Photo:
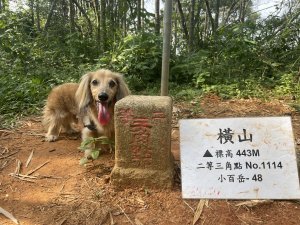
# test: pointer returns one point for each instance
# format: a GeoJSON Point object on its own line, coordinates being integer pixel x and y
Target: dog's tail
{"type": "Point", "coordinates": [47, 115]}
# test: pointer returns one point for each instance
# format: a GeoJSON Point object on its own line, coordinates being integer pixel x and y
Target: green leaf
{"type": "Point", "coordinates": [95, 154]}
{"type": "Point", "coordinates": [250, 41]}
{"type": "Point", "coordinates": [83, 161]}
{"type": "Point", "coordinates": [86, 144]}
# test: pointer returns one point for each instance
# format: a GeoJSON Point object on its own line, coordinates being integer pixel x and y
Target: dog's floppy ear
{"type": "Point", "coordinates": [123, 89]}
{"type": "Point", "coordinates": [83, 94]}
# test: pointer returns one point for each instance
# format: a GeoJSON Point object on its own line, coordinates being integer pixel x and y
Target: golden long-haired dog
{"type": "Point", "coordinates": [91, 101]}
{"type": "Point", "coordinates": [96, 97]}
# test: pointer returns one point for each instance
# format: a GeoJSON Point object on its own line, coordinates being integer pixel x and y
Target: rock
{"type": "Point", "coordinates": [143, 142]}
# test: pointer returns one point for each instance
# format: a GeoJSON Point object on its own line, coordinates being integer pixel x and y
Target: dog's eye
{"type": "Point", "coordinates": [112, 84]}
{"type": "Point", "coordinates": [95, 82]}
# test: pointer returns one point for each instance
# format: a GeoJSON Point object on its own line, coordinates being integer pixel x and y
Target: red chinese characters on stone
{"type": "Point", "coordinates": [140, 129]}
{"type": "Point", "coordinates": [158, 115]}
{"type": "Point", "coordinates": [125, 116]}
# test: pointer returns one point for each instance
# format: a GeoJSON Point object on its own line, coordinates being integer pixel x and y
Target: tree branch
{"type": "Point", "coordinates": [85, 16]}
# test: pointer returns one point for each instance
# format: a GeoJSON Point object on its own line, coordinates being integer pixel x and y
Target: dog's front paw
{"type": "Point", "coordinates": [51, 138]}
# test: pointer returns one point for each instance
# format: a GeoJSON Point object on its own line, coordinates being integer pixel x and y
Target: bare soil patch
{"type": "Point", "coordinates": [61, 192]}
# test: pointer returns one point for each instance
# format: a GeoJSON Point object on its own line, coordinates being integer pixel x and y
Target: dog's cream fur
{"type": "Point", "coordinates": [69, 102]}
{"type": "Point", "coordinates": [60, 111]}
{"type": "Point", "coordinates": [91, 86]}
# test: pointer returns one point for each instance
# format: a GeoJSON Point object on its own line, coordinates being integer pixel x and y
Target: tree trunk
{"type": "Point", "coordinates": [175, 32]}
{"type": "Point", "coordinates": [197, 20]}
{"type": "Point", "coordinates": [132, 12]}
{"type": "Point", "coordinates": [243, 8]}
{"type": "Point", "coordinates": [205, 35]}
{"type": "Point", "coordinates": [191, 27]}
{"type": "Point", "coordinates": [212, 22]}
{"type": "Point", "coordinates": [230, 10]}
{"type": "Point", "coordinates": [166, 48]}
{"type": "Point", "coordinates": [98, 19]}
{"type": "Point", "coordinates": [65, 11]}
{"type": "Point", "coordinates": [123, 15]}
{"type": "Point", "coordinates": [103, 26]}
{"type": "Point", "coordinates": [38, 20]}
{"type": "Point", "coordinates": [112, 18]}
{"type": "Point", "coordinates": [183, 23]}
{"type": "Point", "coordinates": [241, 11]}
{"type": "Point", "coordinates": [31, 5]}
{"type": "Point", "coordinates": [217, 12]}
{"type": "Point", "coordinates": [142, 12]}
{"type": "Point", "coordinates": [72, 16]}
{"type": "Point", "coordinates": [82, 11]}
{"type": "Point", "coordinates": [139, 23]}
{"type": "Point", "coordinates": [53, 5]}
{"type": "Point", "coordinates": [3, 5]}
{"type": "Point", "coordinates": [157, 17]}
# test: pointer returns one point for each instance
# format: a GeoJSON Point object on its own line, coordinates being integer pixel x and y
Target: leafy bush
{"type": "Point", "coordinates": [236, 64]}
{"type": "Point", "coordinates": [18, 97]}
{"type": "Point", "coordinates": [288, 85]}
{"type": "Point", "coordinates": [31, 64]}
{"type": "Point", "coordinates": [188, 67]}
{"type": "Point", "coordinates": [138, 57]}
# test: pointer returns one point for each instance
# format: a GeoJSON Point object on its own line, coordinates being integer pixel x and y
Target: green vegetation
{"type": "Point", "coordinates": [95, 146]}
{"type": "Point", "coordinates": [218, 47]}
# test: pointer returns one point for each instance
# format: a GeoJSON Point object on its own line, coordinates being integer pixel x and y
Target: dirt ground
{"type": "Point", "coordinates": [62, 192]}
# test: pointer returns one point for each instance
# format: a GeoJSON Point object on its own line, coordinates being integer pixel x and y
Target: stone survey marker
{"type": "Point", "coordinates": [143, 142]}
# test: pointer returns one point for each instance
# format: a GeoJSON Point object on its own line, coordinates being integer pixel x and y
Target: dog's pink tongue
{"type": "Point", "coordinates": [103, 114]}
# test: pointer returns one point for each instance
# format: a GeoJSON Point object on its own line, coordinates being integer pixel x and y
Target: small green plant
{"type": "Point", "coordinates": [94, 145]}
{"type": "Point", "coordinates": [288, 85]}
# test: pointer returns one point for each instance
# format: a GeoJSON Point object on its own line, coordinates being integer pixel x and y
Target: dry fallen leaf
{"type": "Point", "coordinates": [253, 203]}
{"type": "Point", "coordinates": [199, 210]}
{"type": "Point", "coordinates": [8, 215]}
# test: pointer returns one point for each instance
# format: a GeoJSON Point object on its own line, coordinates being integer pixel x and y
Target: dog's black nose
{"type": "Point", "coordinates": [103, 97]}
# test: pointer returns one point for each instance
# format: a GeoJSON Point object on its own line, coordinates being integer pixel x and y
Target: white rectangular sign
{"type": "Point", "coordinates": [238, 158]}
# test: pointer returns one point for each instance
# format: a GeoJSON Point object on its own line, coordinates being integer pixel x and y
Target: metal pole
{"type": "Point", "coordinates": [166, 47]}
